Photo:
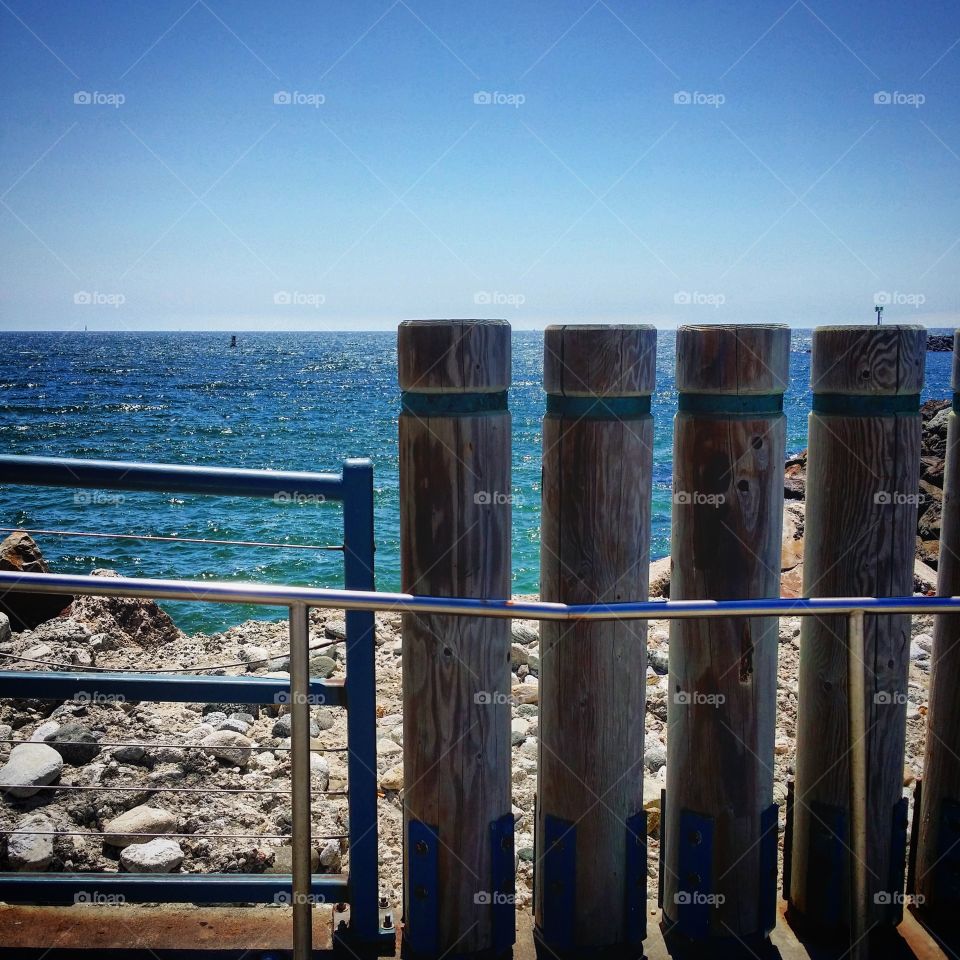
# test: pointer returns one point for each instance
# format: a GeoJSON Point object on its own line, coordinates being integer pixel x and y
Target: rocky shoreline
{"type": "Point", "coordinates": [146, 753]}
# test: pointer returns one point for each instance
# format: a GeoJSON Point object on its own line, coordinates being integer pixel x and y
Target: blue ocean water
{"type": "Point", "coordinates": [301, 401]}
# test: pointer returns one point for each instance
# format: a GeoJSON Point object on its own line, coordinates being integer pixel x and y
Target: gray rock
{"type": "Point", "coordinates": [161, 855]}
{"type": "Point", "coordinates": [524, 634]}
{"type": "Point", "coordinates": [324, 720]}
{"type": "Point", "coordinates": [322, 666]}
{"type": "Point", "coordinates": [47, 729]}
{"type": "Point", "coordinates": [388, 748]}
{"type": "Point", "coordinates": [227, 746]}
{"type": "Point", "coordinates": [320, 770]}
{"type": "Point", "coordinates": [40, 652]}
{"type": "Point", "coordinates": [129, 754]}
{"type": "Point", "coordinates": [5, 631]}
{"type": "Point", "coordinates": [659, 660]}
{"type": "Point", "coordinates": [654, 755]}
{"type": "Point", "coordinates": [335, 630]}
{"type": "Point", "coordinates": [236, 726]}
{"type": "Point", "coordinates": [518, 655]}
{"type": "Point", "coordinates": [330, 856]}
{"type": "Point", "coordinates": [29, 767]}
{"type": "Point", "coordinates": [254, 657]}
{"type": "Point", "coordinates": [137, 825]}
{"type": "Point", "coordinates": [284, 727]}
{"type": "Point", "coordinates": [75, 743]}
{"type": "Point", "coordinates": [518, 731]}
{"type": "Point", "coordinates": [31, 847]}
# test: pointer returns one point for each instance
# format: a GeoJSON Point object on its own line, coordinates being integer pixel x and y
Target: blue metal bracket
{"type": "Point", "coordinates": [559, 883]}
{"type": "Point", "coordinates": [422, 921]}
{"type": "Point", "coordinates": [898, 856]}
{"type": "Point", "coordinates": [769, 824]}
{"type": "Point", "coordinates": [503, 883]}
{"type": "Point", "coordinates": [947, 882]}
{"type": "Point", "coordinates": [827, 871]}
{"type": "Point", "coordinates": [696, 875]}
{"type": "Point", "coordinates": [635, 892]}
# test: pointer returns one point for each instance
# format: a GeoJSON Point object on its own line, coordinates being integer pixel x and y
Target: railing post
{"type": "Point", "coordinates": [300, 781]}
{"type": "Point", "coordinates": [857, 714]}
{"type": "Point", "coordinates": [455, 498]}
{"type": "Point", "coordinates": [720, 837]}
{"type": "Point", "coordinates": [862, 483]}
{"type": "Point", "coordinates": [361, 707]}
{"type": "Point", "coordinates": [938, 849]}
{"type": "Point", "coordinates": [594, 548]}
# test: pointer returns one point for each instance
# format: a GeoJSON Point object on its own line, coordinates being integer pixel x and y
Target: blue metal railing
{"type": "Point", "coordinates": [354, 489]}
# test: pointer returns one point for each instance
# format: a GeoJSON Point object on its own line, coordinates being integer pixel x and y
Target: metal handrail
{"type": "Point", "coordinates": [300, 599]}
{"type": "Point", "coordinates": [277, 595]}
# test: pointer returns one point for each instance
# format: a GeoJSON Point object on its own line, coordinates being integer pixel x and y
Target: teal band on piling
{"type": "Point", "coordinates": [452, 404]}
{"type": "Point", "coordinates": [956, 403]}
{"type": "Point", "coordinates": [730, 405]}
{"type": "Point", "coordinates": [598, 408]}
{"type": "Point", "coordinates": [859, 405]}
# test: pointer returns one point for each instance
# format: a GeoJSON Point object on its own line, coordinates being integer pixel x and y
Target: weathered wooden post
{"type": "Point", "coordinates": [862, 483]}
{"type": "Point", "coordinates": [938, 849]}
{"type": "Point", "coordinates": [591, 865]}
{"type": "Point", "coordinates": [455, 499]}
{"type": "Point", "coordinates": [720, 841]}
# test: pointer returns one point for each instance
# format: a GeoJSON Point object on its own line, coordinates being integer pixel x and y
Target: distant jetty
{"type": "Point", "coordinates": [937, 343]}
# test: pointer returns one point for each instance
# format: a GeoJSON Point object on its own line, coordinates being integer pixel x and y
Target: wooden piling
{"type": "Point", "coordinates": [590, 868]}
{"type": "Point", "coordinates": [455, 507]}
{"type": "Point", "coordinates": [938, 849]}
{"type": "Point", "coordinates": [720, 842]}
{"type": "Point", "coordinates": [862, 483]}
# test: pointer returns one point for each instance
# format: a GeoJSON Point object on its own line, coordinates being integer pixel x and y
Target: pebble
{"type": "Point", "coordinates": [161, 855]}
{"type": "Point", "coordinates": [236, 726]}
{"type": "Point", "coordinates": [227, 746]}
{"type": "Point", "coordinates": [29, 767]}
{"type": "Point", "coordinates": [128, 754]}
{"type": "Point", "coordinates": [284, 727]}
{"type": "Point", "coordinates": [31, 847]}
{"type": "Point", "coordinates": [131, 826]}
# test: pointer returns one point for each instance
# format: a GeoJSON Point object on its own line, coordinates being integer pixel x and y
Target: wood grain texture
{"type": "Point", "coordinates": [860, 539]}
{"type": "Point", "coordinates": [455, 541]}
{"type": "Point", "coordinates": [595, 543]}
{"type": "Point", "coordinates": [726, 542]}
{"type": "Point", "coordinates": [941, 765]}
{"type": "Point", "coordinates": [456, 356]}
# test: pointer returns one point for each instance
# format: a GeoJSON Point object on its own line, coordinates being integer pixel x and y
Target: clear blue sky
{"type": "Point", "coordinates": [584, 192]}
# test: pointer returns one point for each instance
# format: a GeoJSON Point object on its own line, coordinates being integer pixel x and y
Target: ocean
{"type": "Point", "coordinates": [299, 401]}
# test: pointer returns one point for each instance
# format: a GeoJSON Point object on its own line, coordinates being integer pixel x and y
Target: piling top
{"type": "Point", "coordinates": [600, 360]}
{"type": "Point", "coordinates": [956, 361]}
{"type": "Point", "coordinates": [868, 359]}
{"type": "Point", "coordinates": [454, 356]}
{"type": "Point", "coordinates": [738, 359]}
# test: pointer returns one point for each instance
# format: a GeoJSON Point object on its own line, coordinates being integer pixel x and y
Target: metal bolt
{"type": "Point", "coordinates": [388, 922]}
{"type": "Point", "coordinates": [384, 903]}
{"type": "Point", "coordinates": [421, 847]}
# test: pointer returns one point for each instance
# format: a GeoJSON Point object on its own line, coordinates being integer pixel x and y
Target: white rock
{"type": "Point", "coordinates": [918, 653]}
{"type": "Point", "coordinates": [388, 748]}
{"type": "Point", "coordinates": [924, 641]}
{"type": "Point", "coordinates": [31, 847]}
{"type": "Point", "coordinates": [29, 767]}
{"type": "Point", "coordinates": [137, 825]}
{"type": "Point", "coordinates": [393, 778]}
{"type": "Point", "coordinates": [320, 770]}
{"type": "Point", "coordinates": [39, 652]}
{"type": "Point", "coordinates": [5, 631]}
{"type": "Point", "coordinates": [157, 856]}
{"type": "Point", "coordinates": [330, 856]}
{"type": "Point", "coordinates": [518, 655]}
{"type": "Point", "coordinates": [44, 731]}
{"type": "Point", "coordinates": [518, 731]}
{"type": "Point", "coordinates": [524, 634]}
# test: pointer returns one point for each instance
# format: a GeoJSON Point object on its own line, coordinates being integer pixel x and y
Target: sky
{"type": "Point", "coordinates": [204, 164]}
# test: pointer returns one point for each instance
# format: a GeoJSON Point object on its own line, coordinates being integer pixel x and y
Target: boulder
{"type": "Point", "coordinates": [138, 825]}
{"type": "Point", "coordinates": [20, 553]}
{"type": "Point", "coordinates": [160, 855]}
{"type": "Point", "coordinates": [660, 578]}
{"type": "Point", "coordinates": [75, 743]}
{"type": "Point", "coordinates": [137, 621]}
{"type": "Point", "coordinates": [795, 477]}
{"type": "Point", "coordinates": [29, 767]}
{"type": "Point", "coordinates": [791, 545]}
{"type": "Point", "coordinates": [228, 747]}
{"type": "Point", "coordinates": [30, 848]}
{"type": "Point", "coordinates": [924, 578]}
